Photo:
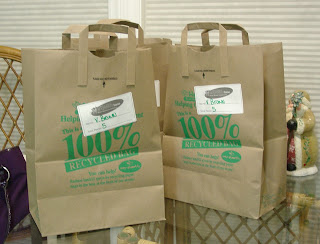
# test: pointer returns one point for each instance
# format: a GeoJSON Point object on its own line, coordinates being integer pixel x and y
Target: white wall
{"type": "Point", "coordinates": [39, 23]}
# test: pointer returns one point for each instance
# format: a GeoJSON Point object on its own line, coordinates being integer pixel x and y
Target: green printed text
{"type": "Point", "coordinates": [100, 159]}
{"type": "Point", "coordinates": [191, 144]}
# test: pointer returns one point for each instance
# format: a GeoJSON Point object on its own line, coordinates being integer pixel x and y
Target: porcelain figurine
{"type": "Point", "coordinates": [302, 149]}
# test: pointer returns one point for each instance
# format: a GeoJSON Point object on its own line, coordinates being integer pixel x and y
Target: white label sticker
{"type": "Point", "coordinates": [99, 116]}
{"type": "Point", "coordinates": [219, 99]}
{"type": "Point", "coordinates": [157, 89]}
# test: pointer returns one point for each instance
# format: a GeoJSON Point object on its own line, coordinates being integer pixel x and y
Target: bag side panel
{"type": "Point", "coordinates": [275, 131]}
{"type": "Point", "coordinates": [29, 64]}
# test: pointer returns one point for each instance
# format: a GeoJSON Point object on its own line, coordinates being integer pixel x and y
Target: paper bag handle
{"type": "Point", "coordinates": [113, 40]}
{"type": "Point", "coordinates": [245, 35]}
{"type": "Point", "coordinates": [66, 35]}
{"type": "Point", "coordinates": [83, 50]}
{"type": "Point", "coordinates": [222, 41]}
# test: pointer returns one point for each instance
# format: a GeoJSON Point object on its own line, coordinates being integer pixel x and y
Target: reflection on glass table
{"type": "Point", "coordinates": [296, 220]}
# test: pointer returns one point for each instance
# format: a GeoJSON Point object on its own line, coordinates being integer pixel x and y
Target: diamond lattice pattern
{"type": "Point", "coordinates": [280, 225]}
{"type": "Point", "coordinates": [11, 104]}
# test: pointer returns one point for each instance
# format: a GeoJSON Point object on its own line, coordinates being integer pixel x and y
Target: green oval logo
{"type": "Point", "coordinates": [231, 156]}
{"type": "Point", "coordinates": [130, 166]}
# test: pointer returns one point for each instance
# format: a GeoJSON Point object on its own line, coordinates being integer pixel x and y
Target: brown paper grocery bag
{"type": "Point", "coordinates": [274, 180]}
{"type": "Point", "coordinates": [109, 179]}
{"type": "Point", "coordinates": [159, 48]}
{"type": "Point", "coordinates": [160, 52]}
{"type": "Point", "coordinates": [217, 160]}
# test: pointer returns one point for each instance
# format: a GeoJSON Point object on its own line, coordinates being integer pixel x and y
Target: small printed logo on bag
{"type": "Point", "coordinates": [70, 118]}
{"type": "Point", "coordinates": [218, 92]}
{"type": "Point", "coordinates": [231, 156]}
{"type": "Point", "coordinates": [107, 107]}
{"type": "Point", "coordinates": [130, 166]}
{"type": "Point", "coordinates": [75, 105]}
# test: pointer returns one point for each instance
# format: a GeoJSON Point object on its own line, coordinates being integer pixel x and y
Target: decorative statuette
{"type": "Point", "coordinates": [302, 150]}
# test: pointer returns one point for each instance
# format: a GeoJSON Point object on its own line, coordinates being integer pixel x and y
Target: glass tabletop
{"type": "Point", "coordinates": [296, 220]}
